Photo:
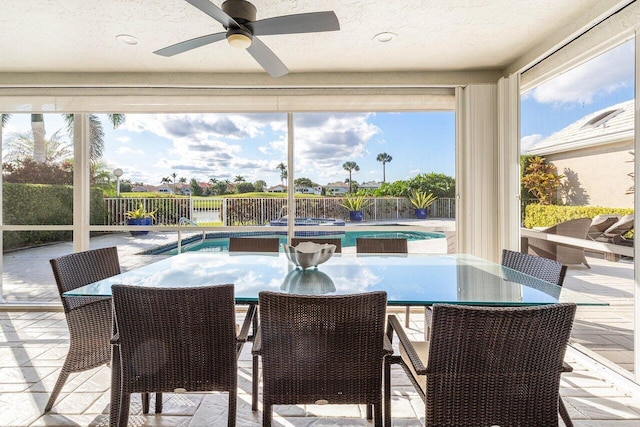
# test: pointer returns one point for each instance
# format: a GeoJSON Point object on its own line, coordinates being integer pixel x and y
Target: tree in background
{"type": "Point", "coordinates": [245, 187]}
{"type": "Point", "coordinates": [384, 158]}
{"type": "Point", "coordinates": [239, 178]}
{"type": "Point", "coordinates": [32, 172]}
{"type": "Point", "coordinates": [439, 184]}
{"type": "Point", "coordinates": [283, 173]}
{"type": "Point", "coordinates": [260, 185]}
{"type": "Point", "coordinates": [174, 177]}
{"type": "Point", "coordinates": [350, 167]}
{"type": "Point", "coordinates": [196, 190]}
{"type": "Point", "coordinates": [304, 182]}
{"type": "Point", "coordinates": [541, 179]}
{"type": "Point", "coordinates": [19, 147]}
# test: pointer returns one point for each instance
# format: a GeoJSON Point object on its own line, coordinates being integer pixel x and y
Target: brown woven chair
{"type": "Point", "coordinates": [254, 244]}
{"type": "Point", "coordinates": [177, 340]}
{"type": "Point", "coordinates": [322, 349]}
{"type": "Point", "coordinates": [89, 318]}
{"type": "Point", "coordinates": [384, 246]}
{"type": "Point", "coordinates": [487, 365]}
{"type": "Point", "coordinates": [577, 228]}
{"type": "Point", "coordinates": [381, 246]}
{"type": "Point", "coordinates": [538, 267]}
{"type": "Point", "coordinates": [337, 242]}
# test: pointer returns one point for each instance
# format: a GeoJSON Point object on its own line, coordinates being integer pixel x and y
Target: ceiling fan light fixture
{"type": "Point", "coordinates": [239, 41]}
{"type": "Point", "coordinates": [127, 39]}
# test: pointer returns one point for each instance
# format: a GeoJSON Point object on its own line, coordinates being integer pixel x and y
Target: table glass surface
{"type": "Point", "coordinates": [407, 279]}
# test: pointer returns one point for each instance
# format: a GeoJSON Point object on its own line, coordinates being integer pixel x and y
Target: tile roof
{"type": "Point", "coordinates": [606, 126]}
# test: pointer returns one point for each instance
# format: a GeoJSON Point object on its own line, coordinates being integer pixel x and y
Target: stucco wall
{"type": "Point", "coordinates": [598, 176]}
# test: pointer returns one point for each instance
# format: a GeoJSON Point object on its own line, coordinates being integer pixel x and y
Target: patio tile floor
{"type": "Point", "coordinates": [30, 363]}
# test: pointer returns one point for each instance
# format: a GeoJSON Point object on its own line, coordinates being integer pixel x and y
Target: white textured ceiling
{"type": "Point", "coordinates": [432, 35]}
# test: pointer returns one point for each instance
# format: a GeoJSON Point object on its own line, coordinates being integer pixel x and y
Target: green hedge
{"type": "Point", "coordinates": [40, 204]}
{"type": "Point", "coordinates": [547, 215]}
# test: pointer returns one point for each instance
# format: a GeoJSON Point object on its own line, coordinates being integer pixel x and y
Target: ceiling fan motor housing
{"type": "Point", "coordinates": [240, 10]}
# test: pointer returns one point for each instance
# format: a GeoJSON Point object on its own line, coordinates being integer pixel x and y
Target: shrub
{"type": "Point", "coordinates": [40, 204]}
{"type": "Point", "coordinates": [547, 215]}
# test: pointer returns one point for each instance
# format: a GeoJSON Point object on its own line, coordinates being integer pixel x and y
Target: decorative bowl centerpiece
{"type": "Point", "coordinates": [309, 254]}
{"type": "Point", "coordinates": [308, 282]}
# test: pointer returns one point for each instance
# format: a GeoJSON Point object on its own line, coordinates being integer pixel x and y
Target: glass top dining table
{"type": "Point", "coordinates": [413, 279]}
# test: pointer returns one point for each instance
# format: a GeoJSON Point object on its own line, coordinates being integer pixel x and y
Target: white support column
{"type": "Point", "coordinates": [636, 183]}
{"type": "Point", "coordinates": [476, 171]}
{"type": "Point", "coordinates": [2, 300]}
{"type": "Point", "coordinates": [291, 199]}
{"type": "Point", "coordinates": [81, 183]}
{"type": "Point", "coordinates": [509, 162]}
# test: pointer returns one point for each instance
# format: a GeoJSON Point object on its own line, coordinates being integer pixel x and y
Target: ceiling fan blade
{"type": "Point", "coordinates": [190, 44]}
{"type": "Point", "coordinates": [267, 59]}
{"type": "Point", "coordinates": [215, 12]}
{"type": "Point", "coordinates": [313, 22]}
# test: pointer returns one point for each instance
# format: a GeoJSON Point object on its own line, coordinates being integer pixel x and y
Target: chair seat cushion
{"type": "Point", "coordinates": [422, 348]}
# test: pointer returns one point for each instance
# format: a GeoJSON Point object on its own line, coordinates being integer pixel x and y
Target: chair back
{"type": "Point", "coordinates": [176, 338]}
{"type": "Point", "coordinates": [81, 268]}
{"type": "Point", "coordinates": [337, 242]}
{"type": "Point", "coordinates": [322, 347]}
{"type": "Point", "coordinates": [496, 366]}
{"type": "Point", "coordinates": [622, 226]}
{"type": "Point", "coordinates": [538, 267]}
{"type": "Point", "coordinates": [381, 246]}
{"type": "Point", "coordinates": [254, 244]}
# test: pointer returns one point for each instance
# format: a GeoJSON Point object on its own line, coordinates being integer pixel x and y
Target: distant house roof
{"type": "Point", "coordinates": [606, 126]}
{"type": "Point", "coordinates": [370, 184]}
{"type": "Point", "coordinates": [337, 185]}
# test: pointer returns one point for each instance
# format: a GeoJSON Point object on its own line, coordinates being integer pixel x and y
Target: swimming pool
{"type": "Point", "coordinates": [219, 242]}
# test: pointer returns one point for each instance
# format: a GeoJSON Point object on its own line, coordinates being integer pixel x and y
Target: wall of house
{"type": "Point", "coordinates": [609, 184]}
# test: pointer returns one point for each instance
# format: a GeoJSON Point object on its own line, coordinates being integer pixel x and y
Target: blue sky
{"type": "Point", "coordinates": [203, 146]}
{"type": "Point", "coordinates": [601, 82]}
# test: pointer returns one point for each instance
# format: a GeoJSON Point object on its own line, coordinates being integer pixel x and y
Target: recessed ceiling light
{"type": "Point", "coordinates": [384, 37]}
{"type": "Point", "coordinates": [127, 39]}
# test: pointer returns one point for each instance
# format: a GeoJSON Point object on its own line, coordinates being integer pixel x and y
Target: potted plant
{"type": "Point", "coordinates": [140, 216]}
{"type": "Point", "coordinates": [421, 201]}
{"type": "Point", "coordinates": [355, 204]}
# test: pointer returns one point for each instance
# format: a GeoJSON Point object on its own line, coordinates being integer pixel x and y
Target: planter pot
{"type": "Point", "coordinates": [421, 213]}
{"type": "Point", "coordinates": [355, 216]}
{"type": "Point", "coordinates": [139, 221]}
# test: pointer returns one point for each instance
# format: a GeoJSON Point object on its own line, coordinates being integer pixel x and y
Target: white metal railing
{"type": "Point", "coordinates": [260, 211]}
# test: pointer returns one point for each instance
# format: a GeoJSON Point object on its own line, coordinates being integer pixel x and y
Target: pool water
{"type": "Point", "coordinates": [214, 243]}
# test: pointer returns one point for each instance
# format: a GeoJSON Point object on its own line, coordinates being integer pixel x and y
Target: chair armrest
{"type": "Point", "coordinates": [257, 343]}
{"type": "Point", "coordinates": [566, 367]}
{"type": "Point", "coordinates": [388, 347]}
{"type": "Point", "coordinates": [115, 339]}
{"type": "Point", "coordinates": [394, 325]}
{"type": "Point", "coordinates": [243, 336]}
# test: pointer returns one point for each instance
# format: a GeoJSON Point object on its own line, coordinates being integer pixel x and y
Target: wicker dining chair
{"type": "Point", "coordinates": [384, 246]}
{"type": "Point", "coordinates": [486, 365]}
{"type": "Point", "coordinates": [322, 349]}
{"type": "Point", "coordinates": [337, 242]}
{"type": "Point", "coordinates": [177, 340]}
{"type": "Point", "coordinates": [89, 318]}
{"type": "Point", "coordinates": [541, 268]}
{"type": "Point", "coordinates": [254, 244]}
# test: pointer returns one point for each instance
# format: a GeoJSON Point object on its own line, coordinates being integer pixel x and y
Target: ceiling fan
{"type": "Point", "coordinates": [238, 19]}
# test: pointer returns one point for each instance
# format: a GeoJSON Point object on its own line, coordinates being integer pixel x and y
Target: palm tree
{"type": "Point", "coordinates": [166, 180]}
{"type": "Point", "coordinates": [350, 167]}
{"type": "Point", "coordinates": [56, 149]}
{"type": "Point", "coordinates": [384, 158]}
{"type": "Point", "coordinates": [37, 127]}
{"type": "Point", "coordinates": [283, 172]}
{"type": "Point", "coordinates": [174, 176]}
{"type": "Point", "coordinates": [4, 118]}
{"type": "Point", "coordinates": [239, 178]}
{"type": "Point", "coordinates": [96, 132]}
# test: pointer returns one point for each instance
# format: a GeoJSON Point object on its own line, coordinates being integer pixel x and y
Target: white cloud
{"type": "Point", "coordinates": [584, 83]}
{"type": "Point", "coordinates": [123, 139]}
{"type": "Point", "coordinates": [129, 150]}
{"type": "Point", "coordinates": [529, 141]}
